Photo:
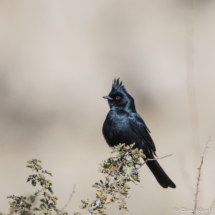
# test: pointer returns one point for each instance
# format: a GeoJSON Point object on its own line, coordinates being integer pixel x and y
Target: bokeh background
{"type": "Point", "coordinates": [57, 60]}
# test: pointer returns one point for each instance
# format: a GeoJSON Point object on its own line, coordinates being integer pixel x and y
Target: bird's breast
{"type": "Point", "coordinates": [116, 129]}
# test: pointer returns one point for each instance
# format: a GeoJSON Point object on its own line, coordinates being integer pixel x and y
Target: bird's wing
{"type": "Point", "coordinates": [140, 128]}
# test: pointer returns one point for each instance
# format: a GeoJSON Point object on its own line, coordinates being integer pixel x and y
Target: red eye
{"type": "Point", "coordinates": [117, 97]}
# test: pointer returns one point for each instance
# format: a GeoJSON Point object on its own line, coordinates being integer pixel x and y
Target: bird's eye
{"type": "Point", "coordinates": [117, 97]}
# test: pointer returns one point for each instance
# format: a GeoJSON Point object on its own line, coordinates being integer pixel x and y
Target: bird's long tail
{"type": "Point", "coordinates": [160, 175]}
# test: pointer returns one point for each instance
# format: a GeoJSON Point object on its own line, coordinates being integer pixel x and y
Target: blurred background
{"type": "Point", "coordinates": [57, 60]}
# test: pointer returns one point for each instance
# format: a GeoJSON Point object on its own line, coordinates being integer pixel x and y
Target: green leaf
{"type": "Point", "coordinates": [37, 209]}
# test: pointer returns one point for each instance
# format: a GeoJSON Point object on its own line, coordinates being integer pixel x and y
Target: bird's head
{"type": "Point", "coordinates": [118, 98]}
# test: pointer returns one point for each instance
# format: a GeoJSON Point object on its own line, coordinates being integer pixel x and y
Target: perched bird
{"type": "Point", "coordinates": [124, 125]}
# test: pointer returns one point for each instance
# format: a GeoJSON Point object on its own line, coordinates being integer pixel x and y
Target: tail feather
{"type": "Point", "coordinates": [160, 175]}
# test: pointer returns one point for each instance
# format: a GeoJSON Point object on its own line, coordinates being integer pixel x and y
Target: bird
{"type": "Point", "coordinates": [124, 125]}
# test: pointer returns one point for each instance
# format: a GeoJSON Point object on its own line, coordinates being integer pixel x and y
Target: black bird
{"type": "Point", "coordinates": [124, 125]}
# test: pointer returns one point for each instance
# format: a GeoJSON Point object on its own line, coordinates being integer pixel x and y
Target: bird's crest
{"type": "Point", "coordinates": [118, 85]}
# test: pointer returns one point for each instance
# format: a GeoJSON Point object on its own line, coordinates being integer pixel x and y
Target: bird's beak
{"type": "Point", "coordinates": [107, 97]}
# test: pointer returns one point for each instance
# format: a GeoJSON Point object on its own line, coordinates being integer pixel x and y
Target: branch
{"type": "Point", "coordinates": [94, 207]}
{"type": "Point", "coordinates": [154, 159]}
{"type": "Point", "coordinates": [136, 170]}
{"type": "Point", "coordinates": [113, 179]}
{"type": "Point", "coordinates": [123, 157]}
{"type": "Point", "coordinates": [198, 179]}
{"type": "Point", "coordinates": [70, 198]}
{"type": "Point", "coordinates": [98, 203]}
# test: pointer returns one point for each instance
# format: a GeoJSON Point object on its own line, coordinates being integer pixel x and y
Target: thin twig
{"type": "Point", "coordinates": [70, 198]}
{"type": "Point", "coordinates": [136, 183]}
{"type": "Point", "coordinates": [137, 169]}
{"type": "Point", "coordinates": [198, 179]}
{"type": "Point", "coordinates": [154, 159]}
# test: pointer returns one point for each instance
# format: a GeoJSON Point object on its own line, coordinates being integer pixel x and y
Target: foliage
{"type": "Point", "coordinates": [21, 204]}
{"type": "Point", "coordinates": [118, 171]}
